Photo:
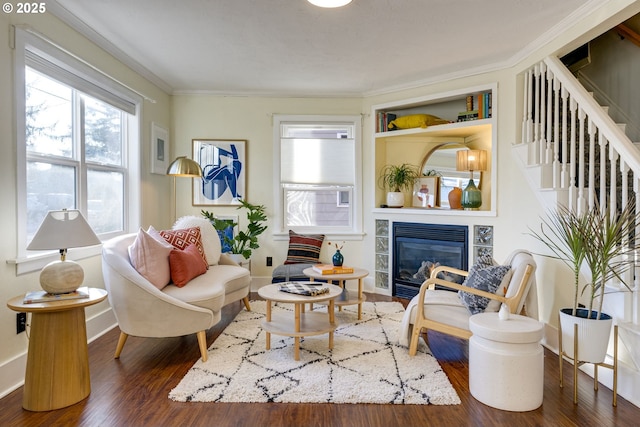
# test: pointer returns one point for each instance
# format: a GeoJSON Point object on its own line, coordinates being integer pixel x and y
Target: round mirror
{"type": "Point", "coordinates": [441, 162]}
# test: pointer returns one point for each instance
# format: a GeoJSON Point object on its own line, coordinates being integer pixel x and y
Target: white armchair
{"type": "Point", "coordinates": [442, 310]}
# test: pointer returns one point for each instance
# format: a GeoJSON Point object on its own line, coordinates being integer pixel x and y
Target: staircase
{"type": "Point", "coordinates": [573, 154]}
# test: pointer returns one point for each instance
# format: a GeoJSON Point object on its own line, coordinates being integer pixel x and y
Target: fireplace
{"type": "Point", "coordinates": [418, 248]}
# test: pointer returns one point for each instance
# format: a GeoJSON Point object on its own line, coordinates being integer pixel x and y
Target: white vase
{"type": "Point", "coordinates": [395, 199]}
{"type": "Point", "coordinates": [593, 335]}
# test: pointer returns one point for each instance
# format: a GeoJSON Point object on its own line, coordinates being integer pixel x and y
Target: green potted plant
{"type": "Point", "coordinates": [600, 240]}
{"type": "Point", "coordinates": [244, 241]}
{"type": "Point", "coordinates": [395, 179]}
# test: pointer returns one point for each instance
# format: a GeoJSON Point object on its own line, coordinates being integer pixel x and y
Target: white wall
{"type": "Point", "coordinates": [250, 118]}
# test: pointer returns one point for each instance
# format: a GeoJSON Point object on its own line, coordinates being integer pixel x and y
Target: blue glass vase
{"type": "Point", "coordinates": [338, 259]}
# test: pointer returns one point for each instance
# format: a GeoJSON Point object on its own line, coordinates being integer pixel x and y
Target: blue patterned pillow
{"type": "Point", "coordinates": [485, 279]}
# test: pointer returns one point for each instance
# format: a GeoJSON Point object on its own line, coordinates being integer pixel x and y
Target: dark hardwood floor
{"type": "Point", "coordinates": [133, 390]}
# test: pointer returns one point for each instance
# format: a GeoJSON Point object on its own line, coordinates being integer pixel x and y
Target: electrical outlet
{"type": "Point", "coordinates": [21, 322]}
{"type": "Point", "coordinates": [269, 261]}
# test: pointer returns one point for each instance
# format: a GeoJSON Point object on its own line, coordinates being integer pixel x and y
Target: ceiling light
{"type": "Point", "coordinates": [329, 3]}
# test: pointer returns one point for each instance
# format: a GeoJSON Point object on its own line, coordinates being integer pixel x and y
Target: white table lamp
{"type": "Point", "coordinates": [61, 230]}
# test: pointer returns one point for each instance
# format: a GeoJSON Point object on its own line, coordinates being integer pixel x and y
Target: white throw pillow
{"type": "Point", "coordinates": [209, 235]}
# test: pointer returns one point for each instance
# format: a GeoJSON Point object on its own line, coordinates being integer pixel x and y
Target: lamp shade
{"type": "Point", "coordinates": [61, 230]}
{"type": "Point", "coordinates": [471, 160]}
{"type": "Point", "coordinates": [183, 166]}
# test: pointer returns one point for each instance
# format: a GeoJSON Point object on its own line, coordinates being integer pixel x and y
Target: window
{"type": "Point", "coordinates": [318, 160]}
{"type": "Point", "coordinates": [77, 139]}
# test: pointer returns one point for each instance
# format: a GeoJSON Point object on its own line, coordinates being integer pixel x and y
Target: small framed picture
{"type": "Point", "coordinates": [159, 149]}
{"type": "Point", "coordinates": [230, 231]}
{"type": "Point", "coordinates": [425, 192]}
{"type": "Point", "coordinates": [224, 166]}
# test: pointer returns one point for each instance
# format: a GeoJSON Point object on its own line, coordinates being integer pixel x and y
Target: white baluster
{"type": "Point", "coordinates": [581, 199]}
{"type": "Point", "coordinates": [564, 181]}
{"type": "Point", "coordinates": [542, 116]}
{"type": "Point", "coordinates": [573, 185]}
{"type": "Point", "coordinates": [602, 141]}
{"type": "Point", "coordinates": [536, 120]}
{"type": "Point", "coordinates": [592, 162]}
{"type": "Point", "coordinates": [556, 133]}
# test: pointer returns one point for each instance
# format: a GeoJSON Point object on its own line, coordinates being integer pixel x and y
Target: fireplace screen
{"type": "Point", "coordinates": [419, 248]}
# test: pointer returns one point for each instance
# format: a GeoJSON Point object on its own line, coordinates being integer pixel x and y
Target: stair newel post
{"type": "Point", "coordinates": [556, 133]}
{"type": "Point", "coordinates": [581, 156]}
{"type": "Point", "coordinates": [591, 128]}
{"type": "Point", "coordinates": [564, 179]}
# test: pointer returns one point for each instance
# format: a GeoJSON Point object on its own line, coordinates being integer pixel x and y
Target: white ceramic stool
{"type": "Point", "coordinates": [506, 364]}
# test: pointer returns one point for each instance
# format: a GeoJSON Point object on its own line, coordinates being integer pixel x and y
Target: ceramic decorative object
{"type": "Point", "coordinates": [455, 198]}
{"type": "Point", "coordinates": [338, 258]}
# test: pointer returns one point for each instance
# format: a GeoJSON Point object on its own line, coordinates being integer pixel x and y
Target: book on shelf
{"type": "Point", "coordinates": [466, 116]}
{"type": "Point", "coordinates": [306, 289]}
{"type": "Point", "coordinates": [383, 120]}
{"type": "Point", "coordinates": [44, 296]}
{"type": "Point", "coordinates": [331, 269]}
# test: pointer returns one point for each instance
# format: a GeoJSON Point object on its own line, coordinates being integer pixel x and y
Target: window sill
{"type": "Point", "coordinates": [284, 235]}
{"type": "Point", "coordinates": [33, 263]}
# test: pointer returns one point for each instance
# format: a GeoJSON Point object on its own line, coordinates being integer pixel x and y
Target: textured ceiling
{"type": "Point", "coordinates": [290, 47]}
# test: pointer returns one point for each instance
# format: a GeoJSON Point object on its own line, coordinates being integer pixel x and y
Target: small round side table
{"type": "Point", "coordinates": [506, 361]}
{"type": "Point", "coordinates": [57, 373]}
{"type": "Point", "coordinates": [346, 298]}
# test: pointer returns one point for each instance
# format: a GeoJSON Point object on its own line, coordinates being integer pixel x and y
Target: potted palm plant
{"type": "Point", "coordinates": [395, 179]}
{"type": "Point", "coordinates": [602, 240]}
{"type": "Point", "coordinates": [245, 241]}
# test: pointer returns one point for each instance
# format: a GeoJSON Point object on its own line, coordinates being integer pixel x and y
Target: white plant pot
{"type": "Point", "coordinates": [395, 199]}
{"type": "Point", "coordinates": [238, 259]}
{"type": "Point", "coordinates": [593, 335]}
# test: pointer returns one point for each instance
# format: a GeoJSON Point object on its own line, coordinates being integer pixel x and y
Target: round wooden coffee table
{"type": "Point", "coordinates": [303, 323]}
{"type": "Point", "coordinates": [346, 298]}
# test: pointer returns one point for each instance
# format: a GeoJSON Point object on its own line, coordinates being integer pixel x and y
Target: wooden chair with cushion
{"type": "Point", "coordinates": [448, 312]}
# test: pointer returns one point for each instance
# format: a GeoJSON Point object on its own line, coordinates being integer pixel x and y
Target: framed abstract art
{"type": "Point", "coordinates": [223, 164]}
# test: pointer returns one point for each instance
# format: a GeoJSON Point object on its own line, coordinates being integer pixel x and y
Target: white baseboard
{"type": "Point", "coordinates": [12, 371]}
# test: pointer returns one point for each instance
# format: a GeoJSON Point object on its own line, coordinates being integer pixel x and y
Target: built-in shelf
{"type": "Point", "coordinates": [415, 145]}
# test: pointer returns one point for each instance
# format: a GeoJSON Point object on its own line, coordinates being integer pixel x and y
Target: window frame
{"type": "Point", "coordinates": [27, 44]}
{"type": "Point", "coordinates": [354, 232]}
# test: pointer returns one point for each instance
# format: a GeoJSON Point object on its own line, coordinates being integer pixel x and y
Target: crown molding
{"type": "Point", "coordinates": [80, 26]}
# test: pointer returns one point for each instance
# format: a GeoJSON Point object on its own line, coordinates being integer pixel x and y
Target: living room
{"type": "Point", "coordinates": [210, 116]}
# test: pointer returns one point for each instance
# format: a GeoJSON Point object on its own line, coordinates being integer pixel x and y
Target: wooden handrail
{"type": "Point", "coordinates": [627, 33]}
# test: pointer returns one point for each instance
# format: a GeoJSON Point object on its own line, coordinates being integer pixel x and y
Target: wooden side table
{"type": "Point", "coordinates": [57, 373]}
{"type": "Point", "coordinates": [346, 298]}
{"type": "Point", "coordinates": [302, 324]}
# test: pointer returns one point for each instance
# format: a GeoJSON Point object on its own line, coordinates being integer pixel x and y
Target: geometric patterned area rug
{"type": "Point", "coordinates": [366, 365]}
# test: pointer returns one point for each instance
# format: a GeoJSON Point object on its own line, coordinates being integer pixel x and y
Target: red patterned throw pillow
{"type": "Point", "coordinates": [183, 237]}
{"type": "Point", "coordinates": [304, 248]}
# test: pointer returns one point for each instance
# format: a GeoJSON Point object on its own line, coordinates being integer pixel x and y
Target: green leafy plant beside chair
{"type": "Point", "coordinates": [245, 241]}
